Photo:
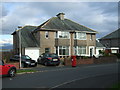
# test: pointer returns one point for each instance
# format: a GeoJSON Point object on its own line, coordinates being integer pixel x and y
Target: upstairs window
{"type": "Point", "coordinates": [62, 34]}
{"type": "Point", "coordinates": [80, 35]}
{"type": "Point", "coordinates": [47, 34]}
{"type": "Point", "coordinates": [91, 37]}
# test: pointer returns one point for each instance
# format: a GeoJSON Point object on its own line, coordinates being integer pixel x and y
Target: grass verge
{"type": "Point", "coordinates": [117, 86]}
{"type": "Point", "coordinates": [25, 71]}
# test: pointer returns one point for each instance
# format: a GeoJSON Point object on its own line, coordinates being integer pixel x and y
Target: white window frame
{"type": "Point", "coordinates": [56, 34]}
{"type": "Point", "coordinates": [91, 37]}
{"type": "Point", "coordinates": [77, 48]}
{"type": "Point", "coordinates": [113, 50]}
{"type": "Point", "coordinates": [78, 34]}
{"type": "Point", "coordinates": [46, 34]}
{"type": "Point", "coordinates": [62, 33]}
{"type": "Point", "coordinates": [64, 47]}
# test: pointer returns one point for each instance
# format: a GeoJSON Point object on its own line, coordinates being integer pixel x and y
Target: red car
{"type": "Point", "coordinates": [7, 69]}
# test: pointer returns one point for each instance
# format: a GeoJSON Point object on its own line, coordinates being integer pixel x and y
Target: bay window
{"type": "Point", "coordinates": [63, 50]}
{"type": "Point", "coordinates": [80, 35]}
{"type": "Point", "coordinates": [62, 34]}
{"type": "Point", "coordinates": [80, 50]}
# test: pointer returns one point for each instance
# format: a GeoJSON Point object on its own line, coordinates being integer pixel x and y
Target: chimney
{"type": "Point", "coordinates": [60, 16]}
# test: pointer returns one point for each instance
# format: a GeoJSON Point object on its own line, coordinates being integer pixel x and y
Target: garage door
{"type": "Point", "coordinates": [32, 52]}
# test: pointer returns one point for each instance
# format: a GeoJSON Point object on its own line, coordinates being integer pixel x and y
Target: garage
{"type": "Point", "coordinates": [32, 52]}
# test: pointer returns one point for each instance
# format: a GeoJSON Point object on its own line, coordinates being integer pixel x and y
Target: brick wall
{"type": "Point", "coordinates": [110, 59]}
{"type": "Point", "coordinates": [16, 64]}
{"type": "Point", "coordinates": [105, 59]}
{"type": "Point", "coordinates": [80, 61]}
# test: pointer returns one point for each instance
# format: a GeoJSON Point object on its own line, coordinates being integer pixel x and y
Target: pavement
{"type": "Point", "coordinates": [60, 67]}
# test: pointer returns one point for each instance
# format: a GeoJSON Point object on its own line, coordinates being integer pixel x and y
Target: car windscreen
{"type": "Point", "coordinates": [53, 55]}
{"type": "Point", "coordinates": [25, 57]}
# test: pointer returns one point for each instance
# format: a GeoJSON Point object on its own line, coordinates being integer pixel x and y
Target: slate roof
{"type": "Point", "coordinates": [115, 34]}
{"type": "Point", "coordinates": [63, 25]}
{"type": "Point", "coordinates": [27, 38]}
{"type": "Point", "coordinates": [98, 44]}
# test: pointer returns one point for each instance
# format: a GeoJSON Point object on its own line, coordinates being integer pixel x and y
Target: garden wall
{"type": "Point", "coordinates": [105, 59]}
{"type": "Point", "coordinates": [17, 65]}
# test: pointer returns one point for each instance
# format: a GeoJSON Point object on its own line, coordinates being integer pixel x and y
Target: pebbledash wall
{"type": "Point", "coordinates": [57, 35]}
{"type": "Point", "coordinates": [52, 42]}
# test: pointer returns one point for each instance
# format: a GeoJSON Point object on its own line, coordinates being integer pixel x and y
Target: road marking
{"type": "Point", "coordinates": [77, 80]}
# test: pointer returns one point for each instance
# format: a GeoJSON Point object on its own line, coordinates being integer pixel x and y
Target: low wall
{"type": "Point", "coordinates": [85, 61]}
{"type": "Point", "coordinates": [107, 59]}
{"type": "Point", "coordinates": [16, 64]}
{"type": "Point", "coordinates": [78, 62]}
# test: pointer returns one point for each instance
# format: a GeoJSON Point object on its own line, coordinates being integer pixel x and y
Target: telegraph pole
{"type": "Point", "coordinates": [20, 47]}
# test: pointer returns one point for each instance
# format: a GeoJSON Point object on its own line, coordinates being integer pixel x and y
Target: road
{"type": "Point", "coordinates": [88, 76]}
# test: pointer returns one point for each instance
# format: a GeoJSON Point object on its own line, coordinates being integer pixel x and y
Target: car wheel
{"type": "Point", "coordinates": [57, 64]}
{"type": "Point", "coordinates": [45, 63]}
{"type": "Point", "coordinates": [12, 72]}
{"type": "Point", "coordinates": [35, 65]}
{"type": "Point", "coordinates": [38, 61]}
{"type": "Point", "coordinates": [22, 65]}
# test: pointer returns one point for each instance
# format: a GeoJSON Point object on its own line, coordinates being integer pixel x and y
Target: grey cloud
{"type": "Point", "coordinates": [98, 16]}
{"type": "Point", "coordinates": [3, 10]}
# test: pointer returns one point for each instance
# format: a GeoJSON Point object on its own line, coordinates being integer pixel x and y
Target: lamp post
{"type": "Point", "coordinates": [20, 47]}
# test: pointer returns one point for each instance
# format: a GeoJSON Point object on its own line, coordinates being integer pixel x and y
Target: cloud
{"type": "Point", "coordinates": [101, 17]}
{"type": "Point", "coordinates": [6, 41]}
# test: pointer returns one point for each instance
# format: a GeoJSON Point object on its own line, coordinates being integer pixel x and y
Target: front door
{"type": "Point", "coordinates": [91, 52]}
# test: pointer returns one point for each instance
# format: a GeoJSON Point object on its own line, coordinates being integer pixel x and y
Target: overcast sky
{"type": "Point", "coordinates": [99, 16]}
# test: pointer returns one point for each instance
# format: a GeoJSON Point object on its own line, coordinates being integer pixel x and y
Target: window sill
{"type": "Point", "coordinates": [79, 39]}
{"type": "Point", "coordinates": [62, 38]}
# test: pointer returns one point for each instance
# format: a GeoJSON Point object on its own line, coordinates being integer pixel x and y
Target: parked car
{"type": "Point", "coordinates": [97, 56]}
{"type": "Point", "coordinates": [48, 59]}
{"type": "Point", "coordinates": [26, 61]}
{"type": "Point", "coordinates": [7, 69]}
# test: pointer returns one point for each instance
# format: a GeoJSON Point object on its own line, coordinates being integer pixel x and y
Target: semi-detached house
{"type": "Point", "coordinates": [112, 41]}
{"type": "Point", "coordinates": [57, 35]}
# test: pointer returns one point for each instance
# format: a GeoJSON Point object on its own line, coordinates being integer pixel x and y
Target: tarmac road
{"type": "Point", "coordinates": [89, 76]}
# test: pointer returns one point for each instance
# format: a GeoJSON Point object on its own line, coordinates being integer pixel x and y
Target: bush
{"type": "Point", "coordinates": [78, 57]}
{"type": "Point", "coordinates": [7, 55]}
{"type": "Point", "coordinates": [85, 57]}
{"type": "Point", "coordinates": [118, 55]}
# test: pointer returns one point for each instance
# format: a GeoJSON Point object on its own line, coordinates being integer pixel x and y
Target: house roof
{"type": "Point", "coordinates": [115, 34]}
{"type": "Point", "coordinates": [27, 38]}
{"type": "Point", "coordinates": [63, 25]}
{"type": "Point", "coordinates": [98, 44]}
